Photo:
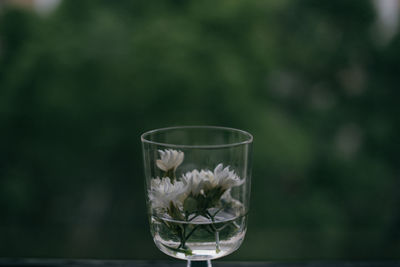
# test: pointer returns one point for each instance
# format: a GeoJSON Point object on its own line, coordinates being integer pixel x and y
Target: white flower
{"type": "Point", "coordinates": [195, 180]}
{"type": "Point", "coordinates": [223, 178]}
{"type": "Point", "coordinates": [170, 159]}
{"type": "Point", "coordinates": [226, 178]}
{"type": "Point", "coordinates": [162, 192]}
{"type": "Point", "coordinates": [206, 180]}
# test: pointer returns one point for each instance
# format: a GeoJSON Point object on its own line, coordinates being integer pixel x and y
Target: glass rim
{"type": "Point", "coordinates": [249, 137]}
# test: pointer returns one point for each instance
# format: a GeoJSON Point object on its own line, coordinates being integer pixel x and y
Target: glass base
{"type": "Point", "coordinates": [198, 263]}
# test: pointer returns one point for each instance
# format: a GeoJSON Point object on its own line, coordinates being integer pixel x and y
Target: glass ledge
{"type": "Point", "coordinates": [147, 263]}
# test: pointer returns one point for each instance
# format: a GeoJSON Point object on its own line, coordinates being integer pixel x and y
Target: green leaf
{"type": "Point", "coordinates": [187, 251]}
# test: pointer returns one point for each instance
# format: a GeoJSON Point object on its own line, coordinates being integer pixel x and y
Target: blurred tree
{"type": "Point", "coordinates": [305, 77]}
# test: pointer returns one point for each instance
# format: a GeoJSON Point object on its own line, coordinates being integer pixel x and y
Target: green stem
{"type": "Point", "coordinates": [215, 231]}
{"type": "Point", "coordinates": [209, 215]}
{"type": "Point", "coordinates": [218, 210]}
{"type": "Point", "coordinates": [193, 217]}
{"type": "Point", "coordinates": [171, 174]}
{"type": "Point", "coordinates": [182, 237]}
{"type": "Point", "coordinates": [191, 232]}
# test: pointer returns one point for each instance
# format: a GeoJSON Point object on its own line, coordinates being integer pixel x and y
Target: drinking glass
{"type": "Point", "coordinates": [197, 190]}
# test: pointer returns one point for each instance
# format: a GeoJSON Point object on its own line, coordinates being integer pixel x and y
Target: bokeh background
{"type": "Point", "coordinates": [316, 82]}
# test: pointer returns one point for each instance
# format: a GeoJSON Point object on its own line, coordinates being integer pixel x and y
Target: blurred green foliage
{"type": "Point", "coordinates": [307, 78]}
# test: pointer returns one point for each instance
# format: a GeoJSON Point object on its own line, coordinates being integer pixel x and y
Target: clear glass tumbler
{"type": "Point", "coordinates": [197, 190]}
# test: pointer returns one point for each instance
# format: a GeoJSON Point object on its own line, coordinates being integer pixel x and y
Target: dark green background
{"type": "Point", "coordinates": [309, 79]}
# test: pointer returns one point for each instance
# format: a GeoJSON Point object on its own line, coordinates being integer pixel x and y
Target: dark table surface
{"type": "Point", "coordinates": [178, 263]}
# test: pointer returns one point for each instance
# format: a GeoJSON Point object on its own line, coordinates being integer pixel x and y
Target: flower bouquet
{"type": "Point", "coordinates": [197, 212]}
